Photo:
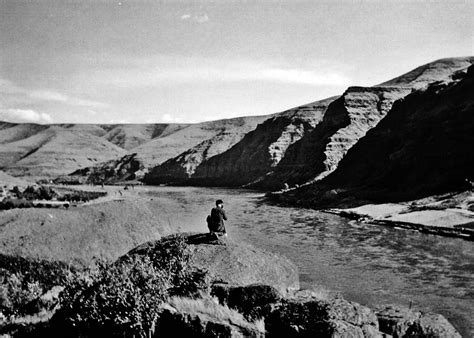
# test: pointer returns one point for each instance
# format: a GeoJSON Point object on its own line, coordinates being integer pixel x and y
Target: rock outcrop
{"type": "Point", "coordinates": [260, 151]}
{"type": "Point", "coordinates": [402, 322]}
{"type": "Point", "coordinates": [301, 314]}
{"type": "Point", "coordinates": [126, 168]}
{"type": "Point", "coordinates": [422, 147]}
{"type": "Point", "coordinates": [346, 120]}
{"type": "Point", "coordinates": [235, 263]}
{"type": "Point", "coordinates": [203, 318]}
{"type": "Point", "coordinates": [307, 143]}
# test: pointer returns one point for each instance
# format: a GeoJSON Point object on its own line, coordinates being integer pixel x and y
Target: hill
{"type": "Point", "coordinates": [40, 151]}
{"type": "Point", "coordinates": [422, 147]}
{"type": "Point", "coordinates": [307, 143]}
{"type": "Point", "coordinates": [255, 154]}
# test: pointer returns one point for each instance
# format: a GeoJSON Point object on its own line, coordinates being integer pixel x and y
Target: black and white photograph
{"type": "Point", "coordinates": [237, 168]}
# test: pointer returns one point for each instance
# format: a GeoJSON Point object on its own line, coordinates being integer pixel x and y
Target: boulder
{"type": "Point", "coordinates": [321, 318]}
{"type": "Point", "coordinates": [435, 325]}
{"type": "Point", "coordinates": [254, 301]}
{"type": "Point", "coordinates": [233, 263]}
{"type": "Point", "coordinates": [400, 321]}
{"type": "Point", "coordinates": [184, 317]}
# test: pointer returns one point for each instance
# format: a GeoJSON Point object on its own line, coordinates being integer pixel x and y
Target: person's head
{"type": "Point", "coordinates": [219, 203]}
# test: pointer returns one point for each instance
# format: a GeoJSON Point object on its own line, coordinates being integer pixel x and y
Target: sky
{"type": "Point", "coordinates": [155, 61]}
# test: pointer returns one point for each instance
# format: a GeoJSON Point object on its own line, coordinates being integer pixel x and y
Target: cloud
{"type": "Point", "coordinates": [28, 96]}
{"type": "Point", "coordinates": [24, 115]}
{"type": "Point", "coordinates": [197, 18]}
{"type": "Point", "coordinates": [167, 118]}
{"type": "Point", "coordinates": [163, 71]}
{"type": "Point", "coordinates": [47, 95]}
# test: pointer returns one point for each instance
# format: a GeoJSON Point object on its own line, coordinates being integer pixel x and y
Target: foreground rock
{"type": "Point", "coordinates": [184, 317]}
{"type": "Point", "coordinates": [235, 263]}
{"type": "Point", "coordinates": [300, 315]}
{"type": "Point", "coordinates": [158, 290]}
{"type": "Point", "coordinates": [402, 322]}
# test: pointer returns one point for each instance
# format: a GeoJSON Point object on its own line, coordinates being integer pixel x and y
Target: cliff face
{"type": "Point", "coordinates": [261, 149]}
{"type": "Point", "coordinates": [304, 144]}
{"type": "Point", "coordinates": [422, 147]}
{"type": "Point", "coordinates": [126, 168]}
{"type": "Point", "coordinates": [218, 136]}
{"type": "Point", "coordinates": [346, 120]}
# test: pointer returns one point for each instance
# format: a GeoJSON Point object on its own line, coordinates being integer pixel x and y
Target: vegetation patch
{"type": "Point", "coordinates": [126, 296]}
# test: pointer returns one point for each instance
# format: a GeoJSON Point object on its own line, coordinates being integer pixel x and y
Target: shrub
{"type": "Point", "coordinates": [125, 297]}
{"type": "Point", "coordinates": [84, 196]}
{"type": "Point", "coordinates": [16, 292]}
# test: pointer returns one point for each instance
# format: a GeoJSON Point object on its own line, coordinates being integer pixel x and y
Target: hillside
{"type": "Point", "coordinates": [173, 145]}
{"type": "Point", "coordinates": [40, 151]}
{"type": "Point", "coordinates": [307, 143]}
{"type": "Point", "coordinates": [423, 147]}
{"type": "Point", "coordinates": [129, 136]}
{"type": "Point", "coordinates": [346, 120]}
{"type": "Point", "coordinates": [194, 142]}
{"type": "Point", "coordinates": [54, 151]}
{"type": "Point", "coordinates": [262, 149]}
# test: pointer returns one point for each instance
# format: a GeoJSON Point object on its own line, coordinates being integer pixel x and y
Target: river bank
{"type": "Point", "coordinates": [445, 215]}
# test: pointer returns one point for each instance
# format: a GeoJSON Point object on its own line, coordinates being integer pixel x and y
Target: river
{"type": "Point", "coordinates": [365, 263]}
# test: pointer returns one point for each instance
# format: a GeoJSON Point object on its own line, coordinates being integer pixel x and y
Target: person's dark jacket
{"type": "Point", "coordinates": [218, 217]}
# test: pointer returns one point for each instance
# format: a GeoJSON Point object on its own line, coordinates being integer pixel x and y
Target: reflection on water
{"type": "Point", "coordinates": [366, 263]}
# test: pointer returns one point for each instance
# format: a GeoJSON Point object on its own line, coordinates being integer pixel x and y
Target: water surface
{"type": "Point", "coordinates": [366, 263]}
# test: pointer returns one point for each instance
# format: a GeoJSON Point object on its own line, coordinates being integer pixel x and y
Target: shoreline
{"type": "Point", "coordinates": [456, 231]}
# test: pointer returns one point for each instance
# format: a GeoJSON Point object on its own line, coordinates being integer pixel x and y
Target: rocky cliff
{"type": "Point", "coordinates": [126, 168]}
{"type": "Point", "coordinates": [307, 143]}
{"type": "Point", "coordinates": [346, 120]}
{"type": "Point", "coordinates": [261, 149]}
{"type": "Point", "coordinates": [422, 147]}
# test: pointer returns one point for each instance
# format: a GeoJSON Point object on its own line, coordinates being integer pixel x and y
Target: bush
{"type": "Point", "coordinates": [40, 193]}
{"type": "Point", "coordinates": [84, 196]}
{"type": "Point", "coordinates": [16, 292]}
{"type": "Point", "coordinates": [125, 297]}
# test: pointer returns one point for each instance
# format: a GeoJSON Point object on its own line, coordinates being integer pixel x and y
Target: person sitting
{"type": "Point", "coordinates": [215, 221]}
